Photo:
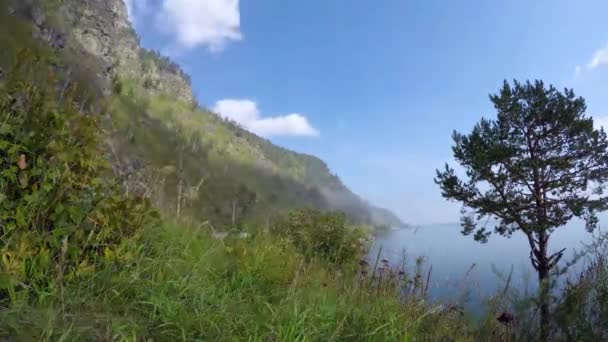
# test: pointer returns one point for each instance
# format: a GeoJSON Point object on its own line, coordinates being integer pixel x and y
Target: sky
{"type": "Point", "coordinates": [376, 88]}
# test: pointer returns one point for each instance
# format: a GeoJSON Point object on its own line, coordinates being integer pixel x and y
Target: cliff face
{"type": "Point", "coordinates": [157, 125]}
{"type": "Point", "coordinates": [102, 30]}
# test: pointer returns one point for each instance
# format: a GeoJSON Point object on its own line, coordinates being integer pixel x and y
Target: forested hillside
{"type": "Point", "coordinates": [188, 160]}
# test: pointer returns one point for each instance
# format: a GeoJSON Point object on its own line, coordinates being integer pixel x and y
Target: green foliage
{"type": "Point", "coordinates": [322, 235]}
{"type": "Point", "coordinates": [61, 214]}
{"type": "Point", "coordinates": [539, 158]}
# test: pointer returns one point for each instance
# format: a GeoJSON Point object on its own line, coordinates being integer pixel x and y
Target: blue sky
{"type": "Point", "coordinates": [375, 88]}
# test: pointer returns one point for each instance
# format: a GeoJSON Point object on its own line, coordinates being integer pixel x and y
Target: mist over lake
{"type": "Point", "coordinates": [465, 271]}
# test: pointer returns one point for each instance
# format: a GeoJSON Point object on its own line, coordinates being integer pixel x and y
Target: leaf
{"type": "Point", "coordinates": [20, 218]}
{"type": "Point", "coordinates": [23, 180]}
{"type": "Point", "coordinates": [47, 187]}
{"type": "Point", "coordinates": [107, 253]}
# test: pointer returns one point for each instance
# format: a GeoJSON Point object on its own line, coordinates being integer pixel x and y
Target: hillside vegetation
{"type": "Point", "coordinates": [175, 151]}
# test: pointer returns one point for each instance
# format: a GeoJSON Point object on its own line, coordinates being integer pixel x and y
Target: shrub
{"type": "Point", "coordinates": [322, 235]}
{"type": "Point", "coordinates": [62, 215]}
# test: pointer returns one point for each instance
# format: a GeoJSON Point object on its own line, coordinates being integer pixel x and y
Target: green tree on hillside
{"type": "Point", "coordinates": [537, 166]}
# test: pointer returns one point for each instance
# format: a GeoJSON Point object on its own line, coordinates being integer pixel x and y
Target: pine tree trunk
{"type": "Point", "coordinates": [543, 283]}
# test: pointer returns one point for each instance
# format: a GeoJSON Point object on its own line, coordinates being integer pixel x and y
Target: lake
{"type": "Point", "coordinates": [460, 263]}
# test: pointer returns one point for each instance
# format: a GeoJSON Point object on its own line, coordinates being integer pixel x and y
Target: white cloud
{"type": "Point", "coordinates": [600, 121]}
{"type": "Point", "coordinates": [600, 57]}
{"type": "Point", "coordinates": [246, 113]}
{"type": "Point", "coordinates": [195, 23]}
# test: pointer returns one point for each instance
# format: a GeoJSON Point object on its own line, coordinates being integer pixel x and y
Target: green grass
{"type": "Point", "coordinates": [183, 285]}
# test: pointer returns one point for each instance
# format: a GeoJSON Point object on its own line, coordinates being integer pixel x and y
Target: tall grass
{"type": "Point", "coordinates": [184, 285]}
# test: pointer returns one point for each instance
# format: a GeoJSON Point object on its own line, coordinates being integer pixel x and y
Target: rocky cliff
{"type": "Point", "coordinates": [102, 30]}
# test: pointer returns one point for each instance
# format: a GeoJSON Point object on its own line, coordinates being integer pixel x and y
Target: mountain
{"type": "Point", "coordinates": [190, 161]}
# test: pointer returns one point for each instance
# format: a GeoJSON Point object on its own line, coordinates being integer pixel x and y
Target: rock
{"type": "Point", "coordinates": [101, 28]}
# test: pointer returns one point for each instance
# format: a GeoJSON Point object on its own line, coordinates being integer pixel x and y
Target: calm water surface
{"type": "Point", "coordinates": [463, 267]}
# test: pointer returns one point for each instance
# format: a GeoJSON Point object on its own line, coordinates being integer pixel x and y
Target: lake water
{"type": "Point", "coordinates": [459, 263]}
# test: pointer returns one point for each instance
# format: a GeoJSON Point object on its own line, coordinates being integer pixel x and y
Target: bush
{"type": "Point", "coordinates": [62, 215]}
{"type": "Point", "coordinates": [322, 235]}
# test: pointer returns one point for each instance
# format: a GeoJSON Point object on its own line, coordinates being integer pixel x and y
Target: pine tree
{"type": "Point", "coordinates": [537, 166]}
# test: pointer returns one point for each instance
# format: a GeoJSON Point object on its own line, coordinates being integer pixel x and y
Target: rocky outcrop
{"type": "Point", "coordinates": [160, 74]}
{"type": "Point", "coordinates": [102, 31]}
